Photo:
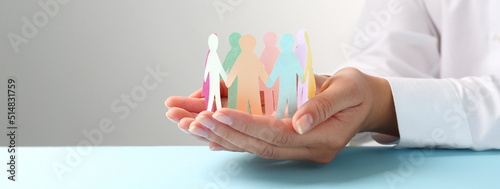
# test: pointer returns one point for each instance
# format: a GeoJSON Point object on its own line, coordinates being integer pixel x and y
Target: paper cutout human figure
{"type": "Point", "coordinates": [301, 53]}
{"type": "Point", "coordinates": [206, 86]}
{"type": "Point", "coordinates": [232, 55]}
{"type": "Point", "coordinates": [287, 68]}
{"type": "Point", "coordinates": [308, 73]}
{"type": "Point", "coordinates": [214, 69]}
{"type": "Point", "coordinates": [248, 69]}
{"type": "Point", "coordinates": [268, 59]}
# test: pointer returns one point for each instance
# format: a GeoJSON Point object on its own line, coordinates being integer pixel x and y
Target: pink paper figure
{"type": "Point", "coordinates": [268, 59]}
{"type": "Point", "coordinates": [248, 69]}
{"type": "Point", "coordinates": [214, 69]}
{"type": "Point", "coordinates": [206, 86]}
{"type": "Point", "coordinates": [301, 53]}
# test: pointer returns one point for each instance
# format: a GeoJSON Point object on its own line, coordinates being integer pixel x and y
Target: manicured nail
{"type": "Point", "coordinates": [218, 148]}
{"type": "Point", "coordinates": [166, 104]}
{"type": "Point", "coordinates": [223, 118]}
{"type": "Point", "coordinates": [173, 120]}
{"type": "Point", "coordinates": [198, 131]}
{"type": "Point", "coordinates": [304, 123]}
{"type": "Point", "coordinates": [205, 121]}
{"type": "Point", "coordinates": [183, 130]}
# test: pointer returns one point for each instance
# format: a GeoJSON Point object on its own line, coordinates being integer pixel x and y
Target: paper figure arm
{"type": "Point", "coordinates": [233, 73]}
{"type": "Point", "coordinates": [262, 71]}
{"type": "Point", "coordinates": [306, 74]}
{"type": "Point", "coordinates": [274, 74]}
{"type": "Point", "coordinates": [221, 70]}
{"type": "Point", "coordinates": [206, 73]}
{"type": "Point", "coordinates": [298, 70]}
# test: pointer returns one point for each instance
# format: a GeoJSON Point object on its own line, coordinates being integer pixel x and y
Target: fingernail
{"type": "Point", "coordinates": [223, 118]}
{"type": "Point", "coordinates": [218, 148]}
{"type": "Point", "coordinates": [173, 120]}
{"type": "Point", "coordinates": [304, 123]}
{"type": "Point", "coordinates": [183, 130]}
{"type": "Point", "coordinates": [198, 131]}
{"type": "Point", "coordinates": [207, 122]}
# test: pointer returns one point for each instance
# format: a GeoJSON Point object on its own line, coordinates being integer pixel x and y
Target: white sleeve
{"type": "Point", "coordinates": [448, 113]}
{"type": "Point", "coordinates": [444, 113]}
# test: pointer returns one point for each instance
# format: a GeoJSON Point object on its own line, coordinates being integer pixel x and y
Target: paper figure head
{"type": "Point", "coordinates": [270, 39]}
{"type": "Point", "coordinates": [248, 43]}
{"type": "Point", "coordinates": [213, 42]}
{"type": "Point", "coordinates": [286, 42]}
{"type": "Point", "coordinates": [301, 40]}
{"type": "Point", "coordinates": [234, 39]}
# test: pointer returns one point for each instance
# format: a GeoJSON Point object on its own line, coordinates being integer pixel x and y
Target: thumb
{"type": "Point", "coordinates": [332, 99]}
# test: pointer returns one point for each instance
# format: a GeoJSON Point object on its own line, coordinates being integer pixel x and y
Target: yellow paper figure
{"type": "Point", "coordinates": [248, 69]}
{"type": "Point", "coordinates": [309, 74]}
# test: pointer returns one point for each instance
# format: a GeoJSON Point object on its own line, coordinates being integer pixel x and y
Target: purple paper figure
{"type": "Point", "coordinates": [301, 53]}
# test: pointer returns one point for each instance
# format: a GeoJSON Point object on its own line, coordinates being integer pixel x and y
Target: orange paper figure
{"type": "Point", "coordinates": [309, 74]}
{"type": "Point", "coordinates": [248, 69]}
{"type": "Point", "coordinates": [301, 53]}
{"type": "Point", "coordinates": [268, 59]}
{"type": "Point", "coordinates": [214, 69]}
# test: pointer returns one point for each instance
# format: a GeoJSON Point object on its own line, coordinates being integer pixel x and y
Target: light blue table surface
{"type": "Point", "coordinates": [198, 167]}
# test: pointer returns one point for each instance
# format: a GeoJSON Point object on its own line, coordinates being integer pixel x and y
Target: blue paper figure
{"type": "Point", "coordinates": [287, 68]}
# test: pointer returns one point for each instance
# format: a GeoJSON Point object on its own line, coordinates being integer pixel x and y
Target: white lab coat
{"type": "Point", "coordinates": [442, 60]}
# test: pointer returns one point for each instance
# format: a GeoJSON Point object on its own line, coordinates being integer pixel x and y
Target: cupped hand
{"type": "Point", "coordinates": [349, 102]}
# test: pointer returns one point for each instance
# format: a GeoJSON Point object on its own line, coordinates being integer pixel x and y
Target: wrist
{"type": "Point", "coordinates": [382, 115]}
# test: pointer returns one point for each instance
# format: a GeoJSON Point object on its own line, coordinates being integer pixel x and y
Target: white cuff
{"type": "Point", "coordinates": [429, 114]}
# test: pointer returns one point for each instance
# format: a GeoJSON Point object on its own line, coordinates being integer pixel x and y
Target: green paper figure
{"type": "Point", "coordinates": [232, 55]}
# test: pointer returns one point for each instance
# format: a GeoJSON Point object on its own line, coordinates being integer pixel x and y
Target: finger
{"type": "Point", "coordinates": [176, 114]}
{"type": "Point", "coordinates": [223, 89]}
{"type": "Point", "coordinates": [198, 129]}
{"type": "Point", "coordinates": [216, 147]}
{"type": "Point", "coordinates": [257, 146]}
{"type": "Point", "coordinates": [335, 96]}
{"type": "Point", "coordinates": [184, 126]}
{"type": "Point", "coordinates": [268, 129]}
{"type": "Point", "coordinates": [195, 105]}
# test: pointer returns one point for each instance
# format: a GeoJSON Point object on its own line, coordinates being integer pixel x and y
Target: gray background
{"type": "Point", "coordinates": [92, 52]}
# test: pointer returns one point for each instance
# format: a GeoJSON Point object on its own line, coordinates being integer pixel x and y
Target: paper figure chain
{"type": "Point", "coordinates": [276, 73]}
